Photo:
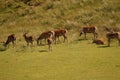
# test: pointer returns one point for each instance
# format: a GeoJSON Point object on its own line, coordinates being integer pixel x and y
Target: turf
{"type": "Point", "coordinates": [78, 60]}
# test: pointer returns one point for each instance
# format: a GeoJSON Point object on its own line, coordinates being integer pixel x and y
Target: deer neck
{"type": "Point", "coordinates": [25, 36]}
{"type": "Point", "coordinates": [6, 43]}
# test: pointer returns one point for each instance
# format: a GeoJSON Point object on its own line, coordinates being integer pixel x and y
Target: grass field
{"type": "Point", "coordinates": [78, 60]}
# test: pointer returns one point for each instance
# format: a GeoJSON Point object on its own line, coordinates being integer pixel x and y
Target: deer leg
{"type": "Point", "coordinates": [45, 40]}
{"type": "Point", "coordinates": [119, 42]}
{"type": "Point", "coordinates": [27, 43]}
{"type": "Point", "coordinates": [32, 43]}
{"type": "Point", "coordinates": [40, 42]}
{"type": "Point", "coordinates": [85, 35]}
{"type": "Point", "coordinates": [65, 38]}
{"type": "Point", "coordinates": [50, 47]}
{"type": "Point", "coordinates": [58, 39]}
{"type": "Point", "coordinates": [55, 39]}
{"type": "Point", "coordinates": [108, 42]}
{"type": "Point", "coordinates": [94, 35]}
{"type": "Point", "coordinates": [7, 44]}
{"type": "Point", "coordinates": [13, 43]}
{"type": "Point", "coordinates": [37, 42]}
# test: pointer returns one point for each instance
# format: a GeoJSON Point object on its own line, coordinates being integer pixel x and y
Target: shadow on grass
{"type": "Point", "coordinates": [2, 48]}
{"type": "Point", "coordinates": [43, 50]}
{"type": "Point", "coordinates": [118, 65]}
{"type": "Point", "coordinates": [41, 44]}
{"type": "Point", "coordinates": [81, 39]}
{"type": "Point", "coordinates": [103, 46]}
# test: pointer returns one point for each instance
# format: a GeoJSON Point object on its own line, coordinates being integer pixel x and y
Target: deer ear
{"type": "Point", "coordinates": [25, 32]}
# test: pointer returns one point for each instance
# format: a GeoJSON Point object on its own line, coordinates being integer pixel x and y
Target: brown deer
{"type": "Point", "coordinates": [89, 29]}
{"type": "Point", "coordinates": [61, 32]}
{"type": "Point", "coordinates": [10, 38]}
{"type": "Point", "coordinates": [113, 35]}
{"type": "Point", "coordinates": [100, 41]}
{"type": "Point", "coordinates": [44, 35]}
{"type": "Point", "coordinates": [50, 41]}
{"type": "Point", "coordinates": [28, 39]}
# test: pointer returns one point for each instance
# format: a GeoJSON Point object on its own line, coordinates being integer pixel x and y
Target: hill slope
{"type": "Point", "coordinates": [58, 13]}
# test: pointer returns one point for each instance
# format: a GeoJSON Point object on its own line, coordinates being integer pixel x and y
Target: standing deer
{"type": "Point", "coordinates": [89, 29]}
{"type": "Point", "coordinates": [44, 35]}
{"type": "Point", "coordinates": [50, 41]}
{"type": "Point", "coordinates": [113, 35]}
{"type": "Point", "coordinates": [10, 38]}
{"type": "Point", "coordinates": [28, 39]}
{"type": "Point", "coordinates": [61, 32]}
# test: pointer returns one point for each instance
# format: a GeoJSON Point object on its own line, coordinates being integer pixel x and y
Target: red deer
{"type": "Point", "coordinates": [50, 41]}
{"type": "Point", "coordinates": [28, 39]}
{"type": "Point", "coordinates": [44, 35]}
{"type": "Point", "coordinates": [100, 41]}
{"type": "Point", "coordinates": [61, 32]}
{"type": "Point", "coordinates": [113, 35]}
{"type": "Point", "coordinates": [10, 38]}
{"type": "Point", "coordinates": [89, 29]}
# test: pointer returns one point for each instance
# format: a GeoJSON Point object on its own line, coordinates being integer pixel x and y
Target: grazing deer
{"type": "Point", "coordinates": [44, 35]}
{"type": "Point", "coordinates": [89, 29]}
{"type": "Point", "coordinates": [10, 38]}
{"type": "Point", "coordinates": [61, 32]}
{"type": "Point", "coordinates": [113, 35]}
{"type": "Point", "coordinates": [28, 39]}
{"type": "Point", "coordinates": [50, 41]}
{"type": "Point", "coordinates": [100, 41]}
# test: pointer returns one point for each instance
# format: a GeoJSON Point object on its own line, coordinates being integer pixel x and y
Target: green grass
{"type": "Point", "coordinates": [78, 60]}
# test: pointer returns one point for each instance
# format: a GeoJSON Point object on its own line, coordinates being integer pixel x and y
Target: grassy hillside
{"type": "Point", "coordinates": [76, 59]}
{"type": "Point", "coordinates": [17, 16]}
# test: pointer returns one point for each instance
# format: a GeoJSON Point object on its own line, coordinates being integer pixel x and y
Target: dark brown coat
{"type": "Point", "coordinates": [10, 38]}
{"type": "Point", "coordinates": [28, 39]}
